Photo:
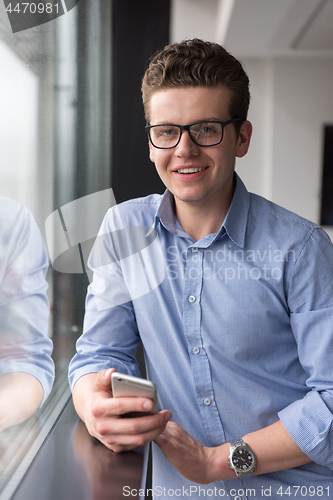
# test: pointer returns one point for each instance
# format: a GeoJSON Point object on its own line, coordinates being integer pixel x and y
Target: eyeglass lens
{"type": "Point", "coordinates": [203, 134]}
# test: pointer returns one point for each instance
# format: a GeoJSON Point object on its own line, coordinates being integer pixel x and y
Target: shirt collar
{"type": "Point", "coordinates": [236, 219]}
{"type": "Point", "coordinates": [234, 224]}
{"type": "Point", "coordinates": [166, 213]}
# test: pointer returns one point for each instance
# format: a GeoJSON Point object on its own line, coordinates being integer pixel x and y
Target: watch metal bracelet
{"type": "Point", "coordinates": [238, 442]}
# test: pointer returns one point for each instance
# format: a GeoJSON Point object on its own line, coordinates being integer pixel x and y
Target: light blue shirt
{"type": "Point", "coordinates": [237, 330]}
{"type": "Point", "coordinates": [24, 307]}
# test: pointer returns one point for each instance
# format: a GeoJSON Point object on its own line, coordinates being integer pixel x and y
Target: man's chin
{"type": "Point", "coordinates": [191, 198]}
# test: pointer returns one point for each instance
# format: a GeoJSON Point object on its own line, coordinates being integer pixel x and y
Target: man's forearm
{"type": "Point", "coordinates": [273, 447]}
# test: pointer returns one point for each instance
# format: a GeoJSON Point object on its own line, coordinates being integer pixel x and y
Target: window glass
{"type": "Point", "coordinates": [55, 149]}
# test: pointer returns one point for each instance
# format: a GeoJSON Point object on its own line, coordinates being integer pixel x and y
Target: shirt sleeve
{"type": "Point", "coordinates": [310, 420]}
{"type": "Point", "coordinates": [110, 333]}
{"type": "Point", "coordinates": [24, 307]}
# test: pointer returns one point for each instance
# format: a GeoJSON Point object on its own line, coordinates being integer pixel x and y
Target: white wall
{"type": "Point", "coordinates": [18, 129]}
{"type": "Point", "coordinates": [193, 19]}
{"type": "Point", "coordinates": [292, 99]}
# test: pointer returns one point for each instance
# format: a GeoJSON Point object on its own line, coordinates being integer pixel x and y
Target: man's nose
{"type": "Point", "coordinates": [186, 147]}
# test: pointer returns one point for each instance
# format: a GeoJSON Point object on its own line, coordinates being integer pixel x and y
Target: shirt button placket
{"type": "Point", "coordinates": [192, 329]}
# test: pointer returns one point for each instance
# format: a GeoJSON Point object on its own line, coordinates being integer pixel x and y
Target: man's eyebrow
{"type": "Point", "coordinates": [201, 120]}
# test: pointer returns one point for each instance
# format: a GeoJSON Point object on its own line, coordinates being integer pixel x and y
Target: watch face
{"type": "Point", "coordinates": [242, 459]}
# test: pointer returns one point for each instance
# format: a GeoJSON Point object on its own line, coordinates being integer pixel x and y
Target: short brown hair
{"type": "Point", "coordinates": [195, 63]}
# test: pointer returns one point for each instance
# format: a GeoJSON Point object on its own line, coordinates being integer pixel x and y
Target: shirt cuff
{"type": "Point", "coordinates": [44, 376]}
{"type": "Point", "coordinates": [309, 421]}
{"type": "Point", "coordinates": [76, 372]}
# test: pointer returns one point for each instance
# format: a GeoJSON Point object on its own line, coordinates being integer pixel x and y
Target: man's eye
{"type": "Point", "coordinates": [167, 132]}
{"type": "Point", "coordinates": [207, 130]}
{"type": "Point", "coordinates": [204, 129]}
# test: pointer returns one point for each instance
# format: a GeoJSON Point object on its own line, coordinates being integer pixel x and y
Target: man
{"type": "Point", "coordinates": [26, 366]}
{"type": "Point", "coordinates": [238, 335]}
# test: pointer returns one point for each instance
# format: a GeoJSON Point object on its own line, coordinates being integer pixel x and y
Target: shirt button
{"type": "Point", "coordinates": [194, 249]}
{"type": "Point", "coordinates": [207, 401]}
{"type": "Point", "coordinates": [191, 298]}
{"type": "Point", "coordinates": [195, 350]}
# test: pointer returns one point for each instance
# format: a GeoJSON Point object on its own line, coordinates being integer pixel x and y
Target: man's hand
{"type": "Point", "coordinates": [194, 461]}
{"type": "Point", "coordinates": [105, 417]}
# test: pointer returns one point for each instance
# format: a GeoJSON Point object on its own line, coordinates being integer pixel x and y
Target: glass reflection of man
{"type": "Point", "coordinates": [239, 335]}
{"type": "Point", "coordinates": [26, 367]}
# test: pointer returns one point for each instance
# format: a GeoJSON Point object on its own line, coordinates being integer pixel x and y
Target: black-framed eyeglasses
{"type": "Point", "coordinates": [204, 134]}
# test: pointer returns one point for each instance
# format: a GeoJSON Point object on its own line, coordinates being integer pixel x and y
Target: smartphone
{"type": "Point", "coordinates": [126, 386]}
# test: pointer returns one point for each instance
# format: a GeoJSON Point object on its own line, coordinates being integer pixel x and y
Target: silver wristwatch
{"type": "Point", "coordinates": [241, 458]}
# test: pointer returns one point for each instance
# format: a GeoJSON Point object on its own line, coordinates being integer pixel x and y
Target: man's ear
{"type": "Point", "coordinates": [151, 152]}
{"type": "Point", "coordinates": [243, 141]}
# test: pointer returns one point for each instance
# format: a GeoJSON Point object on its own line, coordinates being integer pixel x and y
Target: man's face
{"type": "Point", "coordinates": [214, 180]}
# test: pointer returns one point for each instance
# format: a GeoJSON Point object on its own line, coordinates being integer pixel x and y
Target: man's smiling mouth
{"type": "Point", "coordinates": [192, 170]}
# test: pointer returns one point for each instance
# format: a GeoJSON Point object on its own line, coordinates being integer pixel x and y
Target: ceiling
{"type": "Point", "coordinates": [258, 28]}
{"type": "Point", "coordinates": [247, 28]}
